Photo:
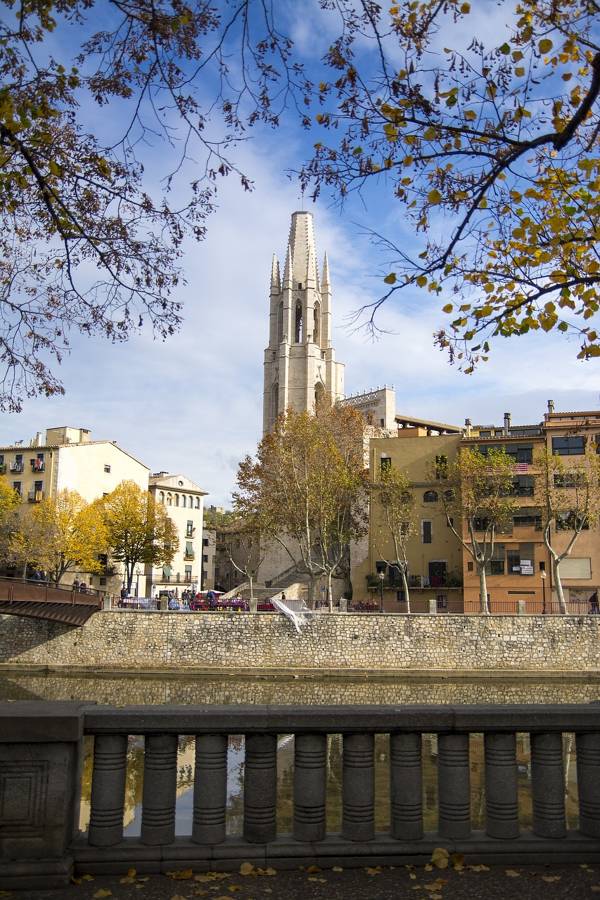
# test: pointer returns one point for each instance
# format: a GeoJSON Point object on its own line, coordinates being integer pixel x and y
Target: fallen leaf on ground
{"type": "Point", "coordinates": [550, 878]}
{"type": "Point", "coordinates": [210, 876]}
{"type": "Point", "coordinates": [87, 877]}
{"type": "Point", "coordinates": [246, 868]}
{"type": "Point", "coordinates": [178, 897]}
{"type": "Point", "coordinates": [337, 869]}
{"type": "Point", "coordinates": [271, 871]}
{"type": "Point", "coordinates": [320, 880]}
{"type": "Point", "coordinates": [412, 876]}
{"type": "Point", "coordinates": [181, 875]}
{"type": "Point", "coordinates": [373, 870]}
{"type": "Point", "coordinates": [480, 868]}
{"type": "Point", "coordinates": [126, 880]}
{"type": "Point", "coordinates": [512, 874]}
{"type": "Point", "coordinates": [103, 892]}
{"type": "Point", "coordinates": [457, 861]}
{"type": "Point", "coordinates": [440, 857]}
{"type": "Point", "coordinates": [233, 888]}
{"type": "Point", "coordinates": [312, 869]}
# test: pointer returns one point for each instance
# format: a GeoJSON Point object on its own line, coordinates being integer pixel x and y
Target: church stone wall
{"type": "Point", "coordinates": [140, 641]}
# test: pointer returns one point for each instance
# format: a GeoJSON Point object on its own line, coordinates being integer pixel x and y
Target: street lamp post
{"type": "Point", "coordinates": [543, 577]}
{"type": "Point", "coordinates": [381, 576]}
{"type": "Point", "coordinates": [137, 581]}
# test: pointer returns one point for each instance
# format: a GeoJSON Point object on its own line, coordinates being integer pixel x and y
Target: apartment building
{"type": "Point", "coordinates": [434, 554]}
{"type": "Point", "coordinates": [184, 504]}
{"type": "Point", "coordinates": [67, 457]}
{"type": "Point", "coordinates": [520, 568]}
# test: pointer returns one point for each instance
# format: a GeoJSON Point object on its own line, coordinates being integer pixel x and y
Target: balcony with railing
{"type": "Point", "coordinates": [37, 465]}
{"type": "Point", "coordinates": [35, 496]}
{"type": "Point", "coordinates": [16, 467]}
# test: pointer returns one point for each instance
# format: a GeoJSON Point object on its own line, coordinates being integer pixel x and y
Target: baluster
{"type": "Point", "coordinates": [588, 783]}
{"type": "Point", "coordinates": [310, 770]}
{"type": "Point", "coordinates": [406, 787]}
{"type": "Point", "coordinates": [548, 785]}
{"type": "Point", "coordinates": [108, 790]}
{"type": "Point", "coordinates": [260, 788]}
{"type": "Point", "coordinates": [160, 786]}
{"type": "Point", "coordinates": [453, 786]}
{"type": "Point", "coordinates": [210, 789]}
{"type": "Point", "coordinates": [502, 806]}
{"type": "Point", "coordinates": [358, 788]}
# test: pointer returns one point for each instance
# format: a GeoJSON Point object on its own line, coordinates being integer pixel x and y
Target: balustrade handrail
{"type": "Point", "coordinates": [427, 719]}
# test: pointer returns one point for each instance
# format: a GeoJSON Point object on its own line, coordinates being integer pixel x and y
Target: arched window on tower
{"type": "Point", "coordinates": [275, 401]}
{"type": "Point", "coordinates": [317, 323]}
{"type": "Point", "coordinates": [280, 323]}
{"type": "Point", "coordinates": [319, 393]}
{"type": "Point", "coordinates": [298, 329]}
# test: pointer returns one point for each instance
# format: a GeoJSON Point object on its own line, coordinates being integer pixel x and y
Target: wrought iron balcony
{"type": "Point", "coordinates": [35, 496]}
{"type": "Point", "coordinates": [16, 467]}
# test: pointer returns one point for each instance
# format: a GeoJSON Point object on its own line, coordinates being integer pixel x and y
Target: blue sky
{"type": "Point", "coordinates": [194, 404]}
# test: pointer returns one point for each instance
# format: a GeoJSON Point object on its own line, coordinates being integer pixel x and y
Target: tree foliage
{"type": "Point", "coordinates": [395, 505]}
{"type": "Point", "coordinates": [479, 495]}
{"type": "Point", "coordinates": [567, 490]}
{"type": "Point", "coordinates": [492, 151]}
{"type": "Point", "coordinates": [306, 488]}
{"type": "Point", "coordinates": [84, 245]}
{"type": "Point", "coordinates": [138, 529]}
{"type": "Point", "coordinates": [61, 534]}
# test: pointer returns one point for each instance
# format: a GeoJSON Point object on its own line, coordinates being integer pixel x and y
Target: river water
{"type": "Point", "coordinates": [307, 691]}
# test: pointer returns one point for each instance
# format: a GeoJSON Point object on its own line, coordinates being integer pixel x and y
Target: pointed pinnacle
{"type": "Point", "coordinates": [275, 278]}
{"type": "Point", "coordinates": [287, 272]}
{"type": "Point", "coordinates": [325, 277]}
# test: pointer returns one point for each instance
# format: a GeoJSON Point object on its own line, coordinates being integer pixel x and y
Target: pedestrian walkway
{"type": "Point", "coordinates": [463, 882]}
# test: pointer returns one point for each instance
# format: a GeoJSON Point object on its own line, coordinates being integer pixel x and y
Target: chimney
{"type": "Point", "coordinates": [468, 427]}
{"type": "Point", "coordinates": [506, 424]}
{"type": "Point", "coordinates": [550, 407]}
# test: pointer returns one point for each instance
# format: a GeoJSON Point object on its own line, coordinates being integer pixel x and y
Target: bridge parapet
{"type": "Point", "coordinates": [40, 843]}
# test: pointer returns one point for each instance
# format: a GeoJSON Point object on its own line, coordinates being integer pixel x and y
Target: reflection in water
{"type": "Point", "coordinates": [119, 691]}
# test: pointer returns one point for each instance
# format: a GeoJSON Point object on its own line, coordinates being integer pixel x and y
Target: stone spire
{"type": "Point", "coordinates": [302, 244]}
{"type": "Point", "coordinates": [275, 278]}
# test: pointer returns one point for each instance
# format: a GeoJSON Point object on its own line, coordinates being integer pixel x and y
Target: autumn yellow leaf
{"type": "Point", "coordinates": [391, 278]}
{"type": "Point", "coordinates": [545, 45]}
{"type": "Point", "coordinates": [246, 868]}
{"type": "Point", "coordinates": [181, 875]}
{"type": "Point", "coordinates": [434, 197]}
{"type": "Point", "coordinates": [103, 892]}
{"type": "Point", "coordinates": [512, 873]}
{"type": "Point", "coordinates": [440, 858]}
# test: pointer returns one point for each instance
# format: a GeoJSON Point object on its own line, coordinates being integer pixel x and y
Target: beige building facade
{"type": "Point", "coordinates": [183, 501]}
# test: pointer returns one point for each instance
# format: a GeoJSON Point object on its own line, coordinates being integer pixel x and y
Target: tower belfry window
{"type": "Point", "coordinates": [298, 329]}
{"type": "Point", "coordinates": [317, 323]}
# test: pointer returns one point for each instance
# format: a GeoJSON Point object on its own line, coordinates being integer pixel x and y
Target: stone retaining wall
{"type": "Point", "coordinates": [144, 640]}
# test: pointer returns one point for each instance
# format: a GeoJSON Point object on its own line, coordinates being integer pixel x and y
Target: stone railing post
{"type": "Point", "coordinates": [358, 787]}
{"type": "Point", "coordinates": [432, 606]}
{"type": "Point", "coordinates": [588, 783]}
{"type": "Point", "coordinates": [502, 805]}
{"type": "Point", "coordinates": [40, 774]}
{"type": "Point", "coordinates": [310, 775]}
{"type": "Point", "coordinates": [108, 790]}
{"type": "Point", "coordinates": [548, 785]}
{"type": "Point", "coordinates": [210, 789]}
{"type": "Point", "coordinates": [160, 789]}
{"type": "Point", "coordinates": [454, 786]}
{"type": "Point", "coordinates": [260, 788]}
{"type": "Point", "coordinates": [406, 787]}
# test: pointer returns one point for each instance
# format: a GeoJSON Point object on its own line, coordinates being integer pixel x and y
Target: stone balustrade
{"type": "Point", "coordinates": [41, 758]}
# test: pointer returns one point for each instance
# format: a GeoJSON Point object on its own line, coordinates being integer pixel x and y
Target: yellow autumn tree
{"type": "Point", "coordinates": [490, 146]}
{"type": "Point", "coordinates": [138, 529]}
{"type": "Point", "coordinates": [68, 533]}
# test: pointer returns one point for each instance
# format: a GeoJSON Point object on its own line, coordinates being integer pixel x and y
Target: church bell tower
{"type": "Point", "coordinates": [300, 364]}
